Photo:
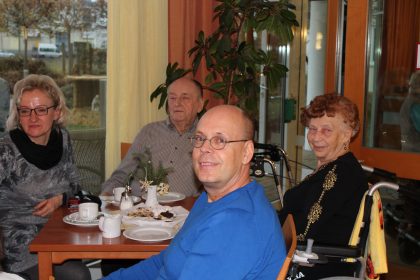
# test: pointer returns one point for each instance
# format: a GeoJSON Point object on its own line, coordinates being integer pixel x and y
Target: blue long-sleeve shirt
{"type": "Point", "coordinates": [235, 237]}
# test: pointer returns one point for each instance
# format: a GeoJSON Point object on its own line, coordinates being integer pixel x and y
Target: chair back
{"type": "Point", "coordinates": [89, 156]}
{"type": "Point", "coordinates": [124, 149]}
{"type": "Point", "coordinates": [290, 239]}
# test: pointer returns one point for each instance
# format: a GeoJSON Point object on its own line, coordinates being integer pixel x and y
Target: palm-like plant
{"type": "Point", "coordinates": [145, 171]}
{"type": "Point", "coordinates": [234, 64]}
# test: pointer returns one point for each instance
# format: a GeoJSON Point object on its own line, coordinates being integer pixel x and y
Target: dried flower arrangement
{"type": "Point", "coordinates": [147, 174]}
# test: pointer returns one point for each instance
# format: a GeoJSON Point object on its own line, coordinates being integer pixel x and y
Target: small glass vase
{"type": "Point", "coordinates": [151, 199]}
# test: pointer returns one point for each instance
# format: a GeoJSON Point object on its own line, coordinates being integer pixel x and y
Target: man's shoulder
{"type": "Point", "coordinates": [158, 125]}
{"type": "Point", "coordinates": [249, 198]}
{"type": "Point", "coordinates": [152, 128]}
{"type": "Point", "coordinates": [348, 166]}
{"type": "Point", "coordinates": [255, 189]}
{"type": "Point", "coordinates": [152, 125]}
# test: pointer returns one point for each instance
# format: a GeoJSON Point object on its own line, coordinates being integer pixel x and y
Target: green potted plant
{"type": "Point", "coordinates": [234, 64]}
{"type": "Point", "coordinates": [151, 178]}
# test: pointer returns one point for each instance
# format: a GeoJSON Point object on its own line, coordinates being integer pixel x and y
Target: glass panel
{"type": "Point", "coordinates": [392, 106]}
{"type": "Point", "coordinates": [69, 44]}
{"type": "Point", "coordinates": [392, 110]}
{"type": "Point", "coordinates": [275, 122]}
{"type": "Point", "coordinates": [305, 85]}
{"type": "Point", "coordinates": [315, 64]}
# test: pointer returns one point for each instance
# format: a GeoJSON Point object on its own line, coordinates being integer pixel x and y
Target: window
{"type": "Point", "coordinates": [70, 45]}
{"type": "Point", "coordinates": [392, 107]}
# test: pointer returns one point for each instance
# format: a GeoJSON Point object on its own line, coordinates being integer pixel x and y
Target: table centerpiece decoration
{"type": "Point", "coordinates": [152, 179]}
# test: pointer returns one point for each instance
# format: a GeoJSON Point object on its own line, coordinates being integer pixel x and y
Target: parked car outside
{"type": "Point", "coordinates": [6, 54]}
{"type": "Point", "coordinates": [46, 50]}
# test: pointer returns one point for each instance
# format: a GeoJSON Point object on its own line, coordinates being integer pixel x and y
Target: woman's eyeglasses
{"type": "Point", "coordinates": [216, 142]}
{"type": "Point", "coordinates": [39, 111]}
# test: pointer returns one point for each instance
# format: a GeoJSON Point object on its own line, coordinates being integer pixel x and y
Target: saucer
{"type": "Point", "coordinates": [75, 220]}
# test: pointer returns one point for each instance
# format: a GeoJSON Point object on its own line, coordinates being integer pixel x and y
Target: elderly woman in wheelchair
{"type": "Point", "coordinates": [325, 204]}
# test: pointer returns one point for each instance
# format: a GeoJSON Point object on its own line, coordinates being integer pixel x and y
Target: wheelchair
{"type": "Point", "coordinates": [358, 255]}
{"type": "Point", "coordinates": [267, 161]}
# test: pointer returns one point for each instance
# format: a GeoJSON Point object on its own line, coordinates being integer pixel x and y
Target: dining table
{"type": "Point", "coordinates": [59, 241]}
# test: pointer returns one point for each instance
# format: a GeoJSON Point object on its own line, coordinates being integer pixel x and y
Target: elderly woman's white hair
{"type": "Point", "coordinates": [43, 83]}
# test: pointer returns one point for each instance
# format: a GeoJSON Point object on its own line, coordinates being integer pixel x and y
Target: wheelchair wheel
{"type": "Point", "coordinates": [391, 224]}
{"type": "Point", "coordinates": [408, 251]}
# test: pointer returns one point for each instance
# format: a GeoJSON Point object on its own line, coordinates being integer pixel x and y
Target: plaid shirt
{"type": "Point", "coordinates": [167, 146]}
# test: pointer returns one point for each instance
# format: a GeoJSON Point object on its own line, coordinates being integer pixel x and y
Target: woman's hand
{"type": "Point", "coordinates": [46, 207]}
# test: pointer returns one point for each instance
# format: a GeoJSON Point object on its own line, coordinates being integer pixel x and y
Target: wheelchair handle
{"type": "Point", "coordinates": [387, 185]}
{"type": "Point", "coordinates": [380, 172]}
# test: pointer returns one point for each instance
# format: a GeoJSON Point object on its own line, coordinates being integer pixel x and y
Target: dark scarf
{"type": "Point", "coordinates": [43, 157]}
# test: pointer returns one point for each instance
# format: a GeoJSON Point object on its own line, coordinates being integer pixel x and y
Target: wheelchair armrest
{"type": "Point", "coordinates": [333, 251]}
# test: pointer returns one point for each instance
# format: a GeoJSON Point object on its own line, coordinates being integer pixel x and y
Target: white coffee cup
{"type": "Point", "coordinates": [88, 211]}
{"type": "Point", "coordinates": [110, 225]}
{"type": "Point", "coordinates": [117, 193]}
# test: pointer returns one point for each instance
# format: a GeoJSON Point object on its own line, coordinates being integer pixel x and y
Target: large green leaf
{"type": "Point", "coordinates": [158, 91]}
{"type": "Point", "coordinates": [172, 73]}
{"type": "Point", "coordinates": [209, 78]}
{"type": "Point", "coordinates": [234, 64]}
{"type": "Point", "coordinates": [226, 18]}
{"type": "Point", "coordinates": [224, 45]}
{"type": "Point", "coordinates": [196, 62]}
{"type": "Point", "coordinates": [274, 73]}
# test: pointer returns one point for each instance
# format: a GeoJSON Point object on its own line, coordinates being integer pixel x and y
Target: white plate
{"type": "Point", "coordinates": [110, 199]}
{"type": "Point", "coordinates": [168, 197]}
{"type": "Point", "coordinates": [75, 220]}
{"type": "Point", "coordinates": [149, 234]}
{"type": "Point", "coordinates": [180, 214]}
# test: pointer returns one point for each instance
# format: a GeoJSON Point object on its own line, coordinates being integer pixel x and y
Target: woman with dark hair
{"type": "Point", "coordinates": [37, 173]}
{"type": "Point", "coordinates": [325, 204]}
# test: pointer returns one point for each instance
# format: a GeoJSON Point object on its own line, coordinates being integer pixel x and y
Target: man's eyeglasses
{"type": "Point", "coordinates": [216, 142]}
{"type": "Point", "coordinates": [39, 111]}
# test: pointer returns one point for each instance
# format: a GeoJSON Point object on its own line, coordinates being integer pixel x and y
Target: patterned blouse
{"type": "Point", "coordinates": [325, 204]}
{"type": "Point", "coordinates": [22, 186]}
